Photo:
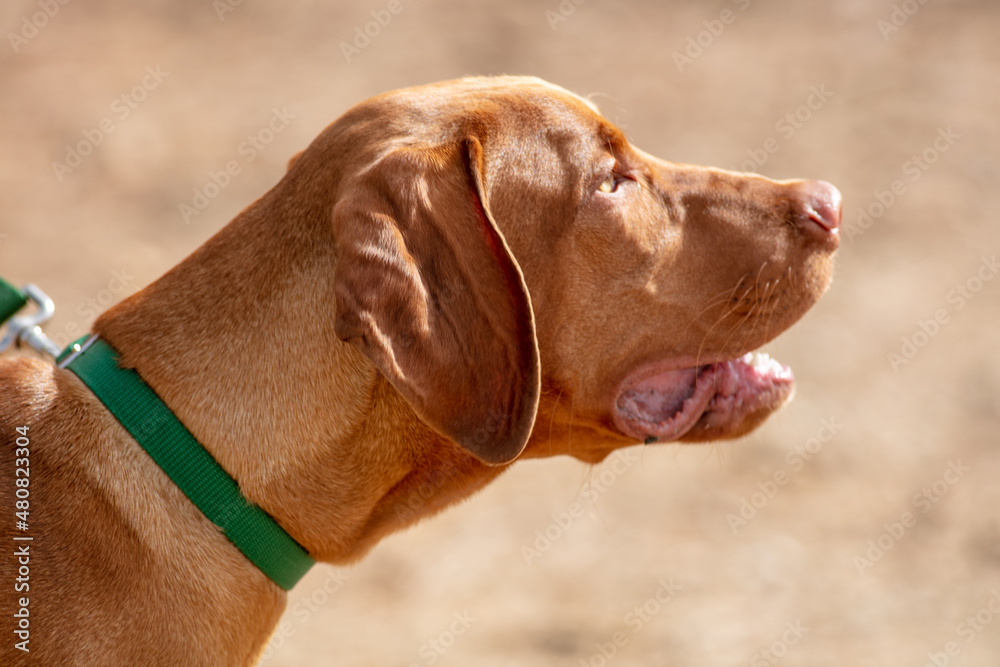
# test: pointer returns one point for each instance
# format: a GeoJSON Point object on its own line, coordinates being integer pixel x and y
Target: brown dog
{"type": "Point", "coordinates": [449, 278]}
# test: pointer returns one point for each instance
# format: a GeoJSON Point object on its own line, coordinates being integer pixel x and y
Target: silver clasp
{"type": "Point", "coordinates": [27, 330]}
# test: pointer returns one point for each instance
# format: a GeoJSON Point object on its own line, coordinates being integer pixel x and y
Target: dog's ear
{"type": "Point", "coordinates": [428, 290]}
{"type": "Point", "coordinates": [292, 160]}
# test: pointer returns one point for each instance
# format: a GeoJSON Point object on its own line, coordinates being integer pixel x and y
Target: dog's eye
{"type": "Point", "coordinates": [609, 184]}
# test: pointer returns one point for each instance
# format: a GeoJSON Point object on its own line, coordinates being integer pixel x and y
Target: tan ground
{"type": "Point", "coordinates": [112, 224]}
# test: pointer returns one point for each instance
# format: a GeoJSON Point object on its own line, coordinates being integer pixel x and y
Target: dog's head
{"type": "Point", "coordinates": [504, 253]}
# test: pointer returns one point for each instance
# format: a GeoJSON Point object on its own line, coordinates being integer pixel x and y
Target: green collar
{"type": "Point", "coordinates": [186, 462]}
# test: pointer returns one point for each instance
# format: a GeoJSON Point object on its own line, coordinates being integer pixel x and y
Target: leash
{"type": "Point", "coordinates": [11, 300]}
{"type": "Point", "coordinates": [26, 329]}
{"type": "Point", "coordinates": [167, 441]}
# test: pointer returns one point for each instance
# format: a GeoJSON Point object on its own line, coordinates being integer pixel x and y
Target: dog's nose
{"type": "Point", "coordinates": [820, 213]}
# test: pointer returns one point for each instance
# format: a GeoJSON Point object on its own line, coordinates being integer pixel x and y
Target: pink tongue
{"type": "Point", "coordinates": [660, 397]}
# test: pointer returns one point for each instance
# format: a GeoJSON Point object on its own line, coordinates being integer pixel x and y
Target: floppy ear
{"type": "Point", "coordinates": [428, 290]}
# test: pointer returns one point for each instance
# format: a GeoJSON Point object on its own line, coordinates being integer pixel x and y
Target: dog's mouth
{"type": "Point", "coordinates": [664, 405]}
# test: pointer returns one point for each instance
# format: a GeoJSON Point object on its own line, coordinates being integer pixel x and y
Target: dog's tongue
{"type": "Point", "coordinates": [668, 404]}
{"type": "Point", "coordinates": [664, 406]}
{"type": "Point", "coordinates": [658, 398]}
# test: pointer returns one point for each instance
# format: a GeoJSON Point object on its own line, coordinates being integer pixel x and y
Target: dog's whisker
{"type": "Point", "coordinates": [732, 309]}
{"type": "Point", "coordinates": [725, 296]}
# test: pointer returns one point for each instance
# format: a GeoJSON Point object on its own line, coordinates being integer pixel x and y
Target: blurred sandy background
{"type": "Point", "coordinates": [800, 580]}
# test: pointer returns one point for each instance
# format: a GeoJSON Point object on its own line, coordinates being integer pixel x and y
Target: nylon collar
{"type": "Point", "coordinates": [191, 467]}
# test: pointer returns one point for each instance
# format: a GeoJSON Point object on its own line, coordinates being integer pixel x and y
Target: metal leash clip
{"type": "Point", "coordinates": [27, 330]}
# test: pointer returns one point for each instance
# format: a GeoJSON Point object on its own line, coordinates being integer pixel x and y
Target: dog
{"type": "Point", "coordinates": [449, 278]}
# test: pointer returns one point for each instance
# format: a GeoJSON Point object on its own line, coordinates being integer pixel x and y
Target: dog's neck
{"type": "Point", "coordinates": [238, 341]}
